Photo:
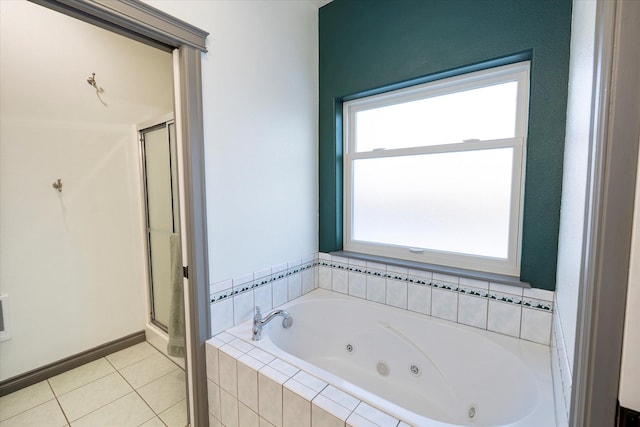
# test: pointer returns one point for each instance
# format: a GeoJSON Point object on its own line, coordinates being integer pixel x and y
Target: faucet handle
{"type": "Point", "coordinates": [258, 314]}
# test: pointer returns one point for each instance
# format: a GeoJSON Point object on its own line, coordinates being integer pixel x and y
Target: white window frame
{"type": "Point", "coordinates": [519, 72]}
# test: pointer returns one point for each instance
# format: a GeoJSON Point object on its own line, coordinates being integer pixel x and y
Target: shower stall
{"type": "Point", "coordinates": [158, 160]}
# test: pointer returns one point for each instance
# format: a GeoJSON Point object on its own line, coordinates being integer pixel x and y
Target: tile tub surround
{"type": "Point", "coordinates": [249, 387]}
{"type": "Point", "coordinates": [233, 300]}
{"type": "Point", "coordinates": [561, 373]}
{"type": "Point", "coordinates": [510, 310]}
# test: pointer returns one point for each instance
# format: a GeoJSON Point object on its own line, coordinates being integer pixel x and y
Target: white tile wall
{"type": "Point", "coordinates": [472, 311]}
{"type": "Point", "coordinates": [213, 422]}
{"type": "Point", "coordinates": [265, 423]}
{"type": "Point", "coordinates": [262, 296]}
{"type": "Point", "coordinates": [280, 292]}
{"type": "Point", "coordinates": [229, 409]}
{"type": "Point", "coordinates": [375, 416]}
{"type": "Point", "coordinates": [246, 417]}
{"type": "Point", "coordinates": [358, 285]}
{"type": "Point", "coordinates": [444, 304]}
{"type": "Point", "coordinates": [222, 286]}
{"type": "Point", "coordinates": [440, 278]}
{"type": "Point", "coordinates": [396, 293]}
{"type": "Point", "coordinates": [326, 412]}
{"type": "Point", "coordinates": [561, 373]}
{"type": "Point", "coordinates": [376, 282]}
{"type": "Point", "coordinates": [519, 312]}
{"type": "Point", "coordinates": [309, 279]}
{"type": "Point", "coordinates": [213, 391]}
{"type": "Point", "coordinates": [233, 301]}
{"type": "Point", "coordinates": [270, 384]}
{"type": "Point", "coordinates": [504, 318]}
{"type": "Point", "coordinates": [478, 284]}
{"type": "Point", "coordinates": [294, 285]}
{"type": "Point", "coordinates": [222, 316]}
{"type": "Point", "coordinates": [356, 420]}
{"type": "Point", "coordinates": [511, 310]}
{"type": "Point", "coordinates": [340, 281]}
{"type": "Point", "coordinates": [248, 368]}
{"type": "Point", "coordinates": [419, 298]}
{"type": "Point", "coordinates": [243, 305]}
{"type": "Point", "coordinates": [536, 326]}
{"type": "Point", "coordinates": [279, 269]}
{"type": "Point", "coordinates": [324, 272]}
{"type": "Point", "coordinates": [228, 375]}
{"type": "Point", "coordinates": [296, 409]}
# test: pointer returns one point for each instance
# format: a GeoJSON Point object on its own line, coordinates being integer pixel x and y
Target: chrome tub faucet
{"type": "Point", "coordinates": [258, 322]}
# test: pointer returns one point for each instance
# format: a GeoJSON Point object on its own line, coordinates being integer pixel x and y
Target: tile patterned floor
{"type": "Point", "coordinates": [137, 386]}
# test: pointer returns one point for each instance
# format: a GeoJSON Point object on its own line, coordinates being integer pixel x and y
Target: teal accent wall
{"type": "Point", "coordinates": [368, 46]}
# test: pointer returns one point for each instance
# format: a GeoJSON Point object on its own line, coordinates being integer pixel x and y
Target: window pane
{"type": "Point", "coordinates": [484, 113]}
{"type": "Point", "coordinates": [453, 202]}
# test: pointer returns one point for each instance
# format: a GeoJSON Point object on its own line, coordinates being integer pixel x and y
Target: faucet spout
{"type": "Point", "coordinates": [259, 322]}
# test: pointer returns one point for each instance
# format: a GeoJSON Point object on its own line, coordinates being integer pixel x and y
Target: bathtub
{"type": "Point", "coordinates": [419, 369]}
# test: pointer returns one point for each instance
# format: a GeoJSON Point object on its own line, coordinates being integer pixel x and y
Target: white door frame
{"type": "Point", "coordinates": [609, 212]}
{"type": "Point", "coordinates": [144, 23]}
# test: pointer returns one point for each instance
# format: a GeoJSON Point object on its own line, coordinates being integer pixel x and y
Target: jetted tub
{"type": "Point", "coordinates": [422, 370]}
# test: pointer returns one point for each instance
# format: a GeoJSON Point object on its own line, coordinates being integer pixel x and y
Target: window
{"type": "Point", "coordinates": [435, 173]}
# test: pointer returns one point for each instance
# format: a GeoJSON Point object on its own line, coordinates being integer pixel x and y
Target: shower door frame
{"type": "Point", "coordinates": [149, 25]}
{"type": "Point", "coordinates": [159, 123]}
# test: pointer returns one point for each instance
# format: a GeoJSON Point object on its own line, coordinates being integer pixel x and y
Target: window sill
{"type": "Point", "coordinates": [454, 271]}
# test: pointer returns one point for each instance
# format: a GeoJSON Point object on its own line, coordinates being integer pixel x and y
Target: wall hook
{"type": "Point", "coordinates": [92, 82]}
{"type": "Point", "coordinates": [58, 185]}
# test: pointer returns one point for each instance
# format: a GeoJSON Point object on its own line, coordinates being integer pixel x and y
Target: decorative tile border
{"type": "Point", "coordinates": [254, 283]}
{"type": "Point", "coordinates": [506, 309]}
{"type": "Point", "coordinates": [515, 311]}
{"type": "Point", "coordinates": [511, 298]}
{"type": "Point", "coordinates": [233, 300]}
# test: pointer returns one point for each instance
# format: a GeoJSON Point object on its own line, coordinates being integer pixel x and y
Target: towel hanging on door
{"type": "Point", "coordinates": [176, 344]}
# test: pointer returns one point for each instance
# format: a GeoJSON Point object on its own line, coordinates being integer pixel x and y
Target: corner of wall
{"type": "Point", "coordinates": [560, 372]}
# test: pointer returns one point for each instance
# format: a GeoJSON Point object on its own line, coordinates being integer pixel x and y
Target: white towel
{"type": "Point", "coordinates": [176, 344]}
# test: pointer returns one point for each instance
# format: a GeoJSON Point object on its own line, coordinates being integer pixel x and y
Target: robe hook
{"type": "Point", "coordinates": [92, 82]}
{"type": "Point", "coordinates": [58, 185]}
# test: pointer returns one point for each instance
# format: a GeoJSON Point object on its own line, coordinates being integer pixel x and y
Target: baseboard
{"type": "Point", "coordinates": [40, 374]}
{"type": "Point", "coordinates": [628, 417]}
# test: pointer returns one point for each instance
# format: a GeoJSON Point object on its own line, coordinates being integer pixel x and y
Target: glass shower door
{"type": "Point", "coordinates": [162, 213]}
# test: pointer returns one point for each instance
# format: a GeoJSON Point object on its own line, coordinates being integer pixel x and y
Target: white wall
{"type": "Point", "coordinates": [260, 94]}
{"type": "Point", "coordinates": [571, 239]}
{"type": "Point", "coordinates": [574, 183]}
{"type": "Point", "coordinates": [72, 263]}
{"type": "Point", "coordinates": [630, 371]}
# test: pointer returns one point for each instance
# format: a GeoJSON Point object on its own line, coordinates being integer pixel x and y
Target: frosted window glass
{"type": "Point", "coordinates": [485, 113]}
{"type": "Point", "coordinates": [452, 202]}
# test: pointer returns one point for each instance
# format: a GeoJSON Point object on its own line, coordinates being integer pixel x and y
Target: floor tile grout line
{"type": "Point", "coordinates": [38, 405]}
{"type": "Point", "coordinates": [136, 390]}
{"type": "Point", "coordinates": [76, 388]}
{"type": "Point", "coordinates": [55, 396]}
{"type": "Point", "coordinates": [110, 402]}
{"type": "Point", "coordinates": [106, 404]}
{"type": "Point", "coordinates": [137, 361]}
